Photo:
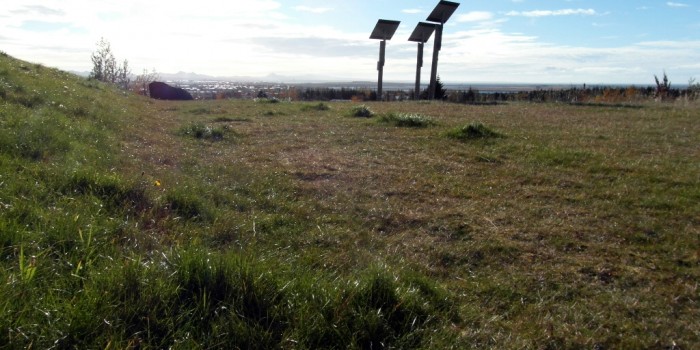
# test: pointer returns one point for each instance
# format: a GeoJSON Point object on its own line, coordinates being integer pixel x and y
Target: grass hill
{"type": "Point", "coordinates": [132, 223]}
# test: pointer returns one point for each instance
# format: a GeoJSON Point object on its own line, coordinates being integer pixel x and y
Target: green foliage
{"type": "Point", "coordinates": [106, 69]}
{"type": "Point", "coordinates": [473, 131]}
{"type": "Point", "coordinates": [440, 91]}
{"type": "Point", "coordinates": [407, 120]}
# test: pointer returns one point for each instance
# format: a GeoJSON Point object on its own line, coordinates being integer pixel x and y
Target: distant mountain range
{"type": "Point", "coordinates": [271, 78]}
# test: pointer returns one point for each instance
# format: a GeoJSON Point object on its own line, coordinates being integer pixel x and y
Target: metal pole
{"type": "Point", "coordinates": [436, 51]}
{"type": "Point", "coordinates": [418, 68]}
{"type": "Point", "coordinates": [380, 68]}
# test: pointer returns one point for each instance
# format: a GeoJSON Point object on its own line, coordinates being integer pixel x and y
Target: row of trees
{"type": "Point", "coordinates": [586, 94]}
{"type": "Point", "coordinates": [596, 94]}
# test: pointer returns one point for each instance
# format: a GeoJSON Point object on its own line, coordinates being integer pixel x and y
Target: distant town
{"type": "Point", "coordinates": [225, 89]}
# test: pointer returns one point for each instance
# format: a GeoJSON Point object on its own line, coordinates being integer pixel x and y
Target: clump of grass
{"type": "Point", "coordinates": [199, 111]}
{"type": "Point", "coordinates": [187, 204]}
{"type": "Point", "coordinates": [204, 132]}
{"type": "Point", "coordinates": [272, 113]}
{"type": "Point", "coordinates": [317, 107]}
{"type": "Point", "coordinates": [115, 193]}
{"type": "Point", "coordinates": [407, 120]}
{"type": "Point", "coordinates": [361, 111]}
{"type": "Point", "coordinates": [473, 131]}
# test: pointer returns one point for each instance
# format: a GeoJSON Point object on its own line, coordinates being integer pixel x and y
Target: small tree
{"type": "Point", "coordinates": [105, 67]}
{"type": "Point", "coordinates": [693, 88]}
{"type": "Point", "coordinates": [663, 87]}
{"type": "Point", "coordinates": [440, 92]}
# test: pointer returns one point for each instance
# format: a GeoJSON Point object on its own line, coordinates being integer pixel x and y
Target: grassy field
{"type": "Point", "coordinates": [132, 223]}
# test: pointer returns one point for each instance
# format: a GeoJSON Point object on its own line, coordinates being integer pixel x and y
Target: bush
{"type": "Point", "coordinates": [408, 120]}
{"type": "Point", "coordinates": [362, 111]}
{"type": "Point", "coordinates": [473, 131]}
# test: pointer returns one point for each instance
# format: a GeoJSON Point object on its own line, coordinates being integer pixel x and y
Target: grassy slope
{"type": "Point", "coordinates": [296, 226]}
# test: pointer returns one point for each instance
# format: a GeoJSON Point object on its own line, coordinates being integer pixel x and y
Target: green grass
{"type": "Point", "coordinates": [120, 228]}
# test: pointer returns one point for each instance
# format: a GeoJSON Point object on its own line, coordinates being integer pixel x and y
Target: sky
{"type": "Point", "coordinates": [485, 41]}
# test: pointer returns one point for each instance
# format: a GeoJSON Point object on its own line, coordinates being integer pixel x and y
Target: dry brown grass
{"type": "Point", "coordinates": [578, 229]}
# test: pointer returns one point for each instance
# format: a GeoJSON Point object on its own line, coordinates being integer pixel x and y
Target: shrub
{"type": "Point", "coordinates": [361, 111]}
{"type": "Point", "coordinates": [473, 131]}
{"type": "Point", "coordinates": [408, 120]}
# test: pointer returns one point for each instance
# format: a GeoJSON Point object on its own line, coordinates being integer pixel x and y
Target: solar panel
{"type": "Point", "coordinates": [443, 11]}
{"type": "Point", "coordinates": [422, 32]}
{"type": "Point", "coordinates": [385, 29]}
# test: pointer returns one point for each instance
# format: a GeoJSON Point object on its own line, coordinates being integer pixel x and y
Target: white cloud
{"type": "Point", "coordinates": [475, 16]}
{"type": "Point", "coordinates": [317, 10]}
{"type": "Point", "coordinates": [676, 4]}
{"type": "Point", "coordinates": [547, 13]}
{"type": "Point", "coordinates": [412, 11]}
{"type": "Point", "coordinates": [256, 38]}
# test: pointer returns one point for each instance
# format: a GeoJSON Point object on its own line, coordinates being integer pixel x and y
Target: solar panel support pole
{"type": "Point", "coordinates": [383, 31]}
{"type": "Point", "coordinates": [419, 65]}
{"type": "Point", "coordinates": [439, 16]}
{"type": "Point", "coordinates": [436, 53]}
{"type": "Point", "coordinates": [380, 68]}
{"type": "Point", "coordinates": [421, 35]}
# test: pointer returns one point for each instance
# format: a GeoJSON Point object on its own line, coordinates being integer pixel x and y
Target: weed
{"type": "Point", "coordinates": [27, 267]}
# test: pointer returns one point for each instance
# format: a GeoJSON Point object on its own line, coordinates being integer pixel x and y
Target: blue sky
{"type": "Point", "coordinates": [521, 41]}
